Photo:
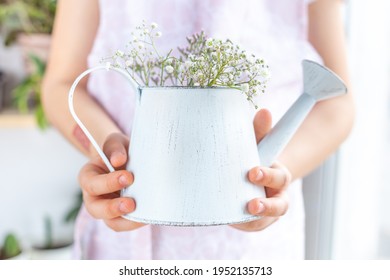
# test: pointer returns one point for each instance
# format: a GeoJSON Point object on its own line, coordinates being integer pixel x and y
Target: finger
{"type": "Point", "coordinates": [109, 208]}
{"type": "Point", "coordinates": [276, 178]}
{"type": "Point", "coordinates": [256, 225]}
{"type": "Point", "coordinates": [262, 124]}
{"type": "Point", "coordinates": [95, 183]}
{"type": "Point", "coordinates": [275, 206]}
{"type": "Point", "coordinates": [115, 147]}
{"type": "Point", "coordinates": [121, 224]}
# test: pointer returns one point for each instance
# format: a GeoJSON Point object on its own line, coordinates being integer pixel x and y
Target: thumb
{"type": "Point", "coordinates": [262, 124]}
{"type": "Point", "coordinates": [115, 147]}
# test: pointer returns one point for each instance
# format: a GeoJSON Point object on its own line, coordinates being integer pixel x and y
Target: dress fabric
{"type": "Point", "coordinates": [273, 30]}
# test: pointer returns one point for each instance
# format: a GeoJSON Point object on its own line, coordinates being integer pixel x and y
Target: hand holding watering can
{"type": "Point", "coordinates": [200, 145]}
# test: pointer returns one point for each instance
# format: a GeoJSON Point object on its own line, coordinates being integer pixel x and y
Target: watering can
{"type": "Point", "coordinates": [191, 148]}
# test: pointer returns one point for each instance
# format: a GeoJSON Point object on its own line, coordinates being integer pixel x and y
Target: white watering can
{"type": "Point", "coordinates": [191, 148]}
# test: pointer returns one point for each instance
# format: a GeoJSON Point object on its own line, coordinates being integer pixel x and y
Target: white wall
{"type": "Point", "coordinates": [364, 179]}
{"type": "Point", "coordinates": [38, 172]}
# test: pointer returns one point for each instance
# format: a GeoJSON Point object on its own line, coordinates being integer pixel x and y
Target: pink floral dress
{"type": "Point", "coordinates": [273, 30]}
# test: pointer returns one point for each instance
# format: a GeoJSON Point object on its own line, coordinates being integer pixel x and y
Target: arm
{"type": "Point", "coordinates": [325, 128]}
{"type": "Point", "coordinates": [331, 120]}
{"type": "Point", "coordinates": [73, 35]}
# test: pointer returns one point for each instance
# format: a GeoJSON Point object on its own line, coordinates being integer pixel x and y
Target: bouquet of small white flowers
{"type": "Point", "coordinates": [204, 62]}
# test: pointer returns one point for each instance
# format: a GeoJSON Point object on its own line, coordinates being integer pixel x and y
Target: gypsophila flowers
{"type": "Point", "coordinates": [204, 62]}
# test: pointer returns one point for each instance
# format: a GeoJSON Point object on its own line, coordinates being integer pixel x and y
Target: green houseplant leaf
{"type": "Point", "coordinates": [22, 16]}
{"type": "Point", "coordinates": [27, 95]}
{"type": "Point", "coordinates": [10, 248]}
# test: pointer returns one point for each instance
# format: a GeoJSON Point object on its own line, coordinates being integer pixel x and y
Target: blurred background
{"type": "Point", "coordinates": [39, 193]}
{"type": "Point", "coordinates": [347, 198]}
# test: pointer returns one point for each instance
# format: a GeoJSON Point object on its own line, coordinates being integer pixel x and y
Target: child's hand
{"type": "Point", "coordinates": [101, 189]}
{"type": "Point", "coordinates": [275, 179]}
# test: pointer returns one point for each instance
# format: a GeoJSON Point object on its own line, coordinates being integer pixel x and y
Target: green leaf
{"type": "Point", "coordinates": [72, 214]}
{"type": "Point", "coordinates": [39, 64]}
{"type": "Point", "coordinates": [41, 118]}
{"type": "Point", "coordinates": [11, 247]}
{"type": "Point", "coordinates": [28, 92]}
{"type": "Point", "coordinates": [48, 232]}
{"type": "Point", "coordinates": [32, 16]}
{"type": "Point", "coordinates": [22, 93]}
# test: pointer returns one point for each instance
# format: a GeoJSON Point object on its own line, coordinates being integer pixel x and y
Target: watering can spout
{"type": "Point", "coordinates": [320, 82]}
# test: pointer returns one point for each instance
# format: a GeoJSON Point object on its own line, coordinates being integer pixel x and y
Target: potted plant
{"type": "Point", "coordinates": [52, 247]}
{"type": "Point", "coordinates": [29, 23]}
{"type": "Point", "coordinates": [27, 95]}
{"type": "Point", "coordinates": [10, 248]}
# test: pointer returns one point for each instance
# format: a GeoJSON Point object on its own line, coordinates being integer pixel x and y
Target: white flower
{"type": "Point", "coordinates": [119, 53]}
{"type": "Point", "coordinates": [169, 69]}
{"type": "Point", "coordinates": [140, 45]}
{"type": "Point", "coordinates": [182, 68]}
{"type": "Point", "coordinates": [188, 63]}
{"type": "Point", "coordinates": [209, 42]}
{"type": "Point", "coordinates": [245, 87]}
{"type": "Point", "coordinates": [251, 59]}
{"type": "Point", "coordinates": [255, 68]}
{"type": "Point", "coordinates": [265, 74]}
{"type": "Point", "coordinates": [213, 62]}
{"type": "Point", "coordinates": [129, 62]}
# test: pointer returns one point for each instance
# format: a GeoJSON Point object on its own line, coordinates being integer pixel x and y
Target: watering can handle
{"type": "Point", "coordinates": [76, 118]}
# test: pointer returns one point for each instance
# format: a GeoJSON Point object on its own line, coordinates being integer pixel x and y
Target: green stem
{"type": "Point", "coordinates": [220, 71]}
{"type": "Point", "coordinates": [48, 232]}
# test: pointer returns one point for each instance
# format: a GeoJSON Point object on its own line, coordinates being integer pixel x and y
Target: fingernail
{"type": "Point", "coordinates": [123, 180]}
{"type": "Point", "coordinates": [124, 208]}
{"type": "Point", "coordinates": [116, 154]}
{"type": "Point", "coordinates": [259, 175]}
{"type": "Point", "coordinates": [260, 208]}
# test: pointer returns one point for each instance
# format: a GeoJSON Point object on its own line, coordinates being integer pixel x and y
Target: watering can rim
{"type": "Point", "coordinates": [186, 87]}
